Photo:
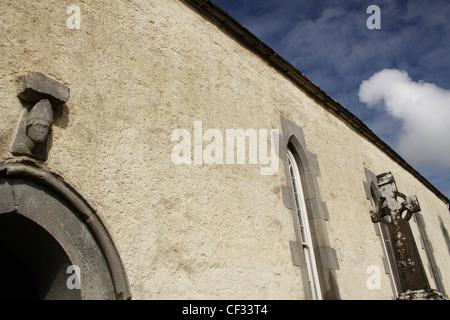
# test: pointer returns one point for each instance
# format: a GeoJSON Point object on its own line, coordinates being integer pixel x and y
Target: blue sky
{"type": "Point", "coordinates": [395, 79]}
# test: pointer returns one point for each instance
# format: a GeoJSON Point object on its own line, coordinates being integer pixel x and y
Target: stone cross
{"type": "Point", "coordinates": [394, 209]}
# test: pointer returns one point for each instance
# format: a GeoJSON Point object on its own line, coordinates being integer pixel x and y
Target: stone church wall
{"type": "Point", "coordinates": [140, 70]}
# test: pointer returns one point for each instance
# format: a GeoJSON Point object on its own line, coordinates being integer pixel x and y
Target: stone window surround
{"type": "Point", "coordinates": [326, 256]}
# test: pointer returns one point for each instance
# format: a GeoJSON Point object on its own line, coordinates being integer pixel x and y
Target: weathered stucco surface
{"type": "Point", "coordinates": [138, 70]}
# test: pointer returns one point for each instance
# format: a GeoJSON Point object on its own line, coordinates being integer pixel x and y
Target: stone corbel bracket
{"type": "Point", "coordinates": [41, 96]}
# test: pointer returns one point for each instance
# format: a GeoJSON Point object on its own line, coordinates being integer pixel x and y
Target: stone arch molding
{"type": "Point", "coordinates": [52, 203]}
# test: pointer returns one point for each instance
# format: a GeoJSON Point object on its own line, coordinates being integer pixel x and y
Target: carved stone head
{"type": "Point", "coordinates": [39, 122]}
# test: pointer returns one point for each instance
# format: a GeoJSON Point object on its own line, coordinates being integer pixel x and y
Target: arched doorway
{"type": "Point", "coordinates": [47, 226]}
{"type": "Point", "coordinates": [33, 264]}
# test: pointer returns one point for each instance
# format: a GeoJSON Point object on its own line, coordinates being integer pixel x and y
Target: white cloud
{"type": "Point", "coordinates": [423, 138]}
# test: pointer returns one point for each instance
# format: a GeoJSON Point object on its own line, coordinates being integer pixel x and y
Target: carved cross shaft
{"type": "Point", "coordinates": [396, 215]}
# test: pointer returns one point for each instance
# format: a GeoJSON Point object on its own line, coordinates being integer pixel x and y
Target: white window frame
{"type": "Point", "coordinates": [304, 232]}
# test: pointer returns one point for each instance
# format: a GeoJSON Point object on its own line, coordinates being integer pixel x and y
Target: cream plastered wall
{"type": "Point", "coordinates": [138, 70]}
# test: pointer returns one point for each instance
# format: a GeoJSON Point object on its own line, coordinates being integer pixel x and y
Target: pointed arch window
{"type": "Point", "coordinates": [311, 250]}
{"type": "Point", "coordinates": [303, 225]}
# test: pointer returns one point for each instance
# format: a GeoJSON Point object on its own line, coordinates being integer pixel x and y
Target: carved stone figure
{"type": "Point", "coordinates": [34, 132]}
{"type": "Point", "coordinates": [41, 95]}
{"type": "Point", "coordinates": [39, 124]}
